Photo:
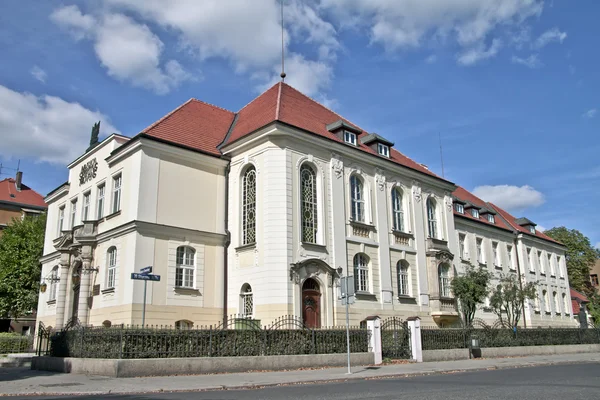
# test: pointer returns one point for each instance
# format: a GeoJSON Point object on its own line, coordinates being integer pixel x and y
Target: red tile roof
{"type": "Point", "coordinates": [511, 220]}
{"type": "Point", "coordinates": [464, 195]}
{"type": "Point", "coordinates": [25, 197]}
{"type": "Point", "coordinates": [576, 299]}
{"type": "Point", "coordinates": [194, 124]}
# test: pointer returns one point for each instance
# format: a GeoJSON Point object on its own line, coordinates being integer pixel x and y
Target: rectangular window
{"type": "Point", "coordinates": [116, 198]}
{"type": "Point", "coordinates": [594, 279]}
{"type": "Point", "coordinates": [85, 211]}
{"type": "Point", "coordinates": [495, 253]}
{"type": "Point", "coordinates": [509, 250]}
{"type": "Point", "coordinates": [541, 262]}
{"type": "Point", "coordinates": [461, 246]}
{"type": "Point", "coordinates": [475, 212]}
{"type": "Point", "coordinates": [61, 220]}
{"type": "Point", "coordinates": [459, 208]}
{"type": "Point", "coordinates": [100, 203]}
{"type": "Point", "coordinates": [551, 265]}
{"type": "Point", "coordinates": [532, 229]}
{"type": "Point", "coordinates": [53, 284]}
{"type": "Point", "coordinates": [480, 255]}
{"type": "Point", "coordinates": [383, 150]}
{"type": "Point", "coordinates": [112, 268]}
{"type": "Point", "coordinates": [350, 137]}
{"type": "Point", "coordinates": [491, 218]}
{"type": "Point", "coordinates": [73, 212]}
{"type": "Point", "coordinates": [530, 260]}
{"type": "Point", "coordinates": [560, 267]}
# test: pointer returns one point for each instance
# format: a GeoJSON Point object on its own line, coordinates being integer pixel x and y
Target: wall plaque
{"type": "Point", "coordinates": [88, 171]}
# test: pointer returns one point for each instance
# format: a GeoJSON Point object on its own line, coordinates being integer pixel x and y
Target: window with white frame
{"type": "Point", "coordinates": [111, 267]}
{"type": "Point", "coordinates": [361, 273]}
{"type": "Point", "coordinates": [61, 220]}
{"type": "Point", "coordinates": [444, 280]}
{"type": "Point", "coordinates": [100, 201]}
{"type": "Point", "coordinates": [403, 278]}
{"type": "Point", "coordinates": [565, 304]}
{"type": "Point", "coordinates": [432, 218]}
{"type": "Point", "coordinates": [184, 324]}
{"type": "Point", "coordinates": [556, 304]}
{"type": "Point", "coordinates": [357, 197]}
{"type": "Point", "coordinates": [398, 210]}
{"type": "Point", "coordinates": [530, 260]}
{"type": "Point", "coordinates": [249, 206]}
{"type": "Point", "coordinates": [308, 204]}
{"type": "Point", "coordinates": [116, 197]}
{"type": "Point", "coordinates": [491, 219]}
{"type": "Point", "coordinates": [536, 303]}
{"type": "Point", "coordinates": [246, 301]}
{"type": "Point", "coordinates": [541, 262]}
{"type": "Point", "coordinates": [53, 284]}
{"type": "Point", "coordinates": [462, 245]}
{"type": "Point", "coordinates": [495, 253]}
{"type": "Point", "coordinates": [551, 265]}
{"type": "Point", "coordinates": [85, 210]}
{"type": "Point", "coordinates": [532, 229]}
{"type": "Point", "coordinates": [546, 301]}
{"type": "Point", "coordinates": [350, 137]}
{"type": "Point", "coordinates": [459, 208]}
{"type": "Point", "coordinates": [185, 266]}
{"type": "Point", "coordinates": [383, 150]}
{"type": "Point", "coordinates": [73, 213]}
{"type": "Point", "coordinates": [475, 212]}
{"type": "Point", "coordinates": [480, 255]}
{"type": "Point", "coordinates": [509, 253]}
{"type": "Point", "coordinates": [559, 266]}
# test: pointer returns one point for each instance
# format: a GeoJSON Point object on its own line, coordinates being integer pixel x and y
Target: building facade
{"type": "Point", "coordinates": [259, 213]}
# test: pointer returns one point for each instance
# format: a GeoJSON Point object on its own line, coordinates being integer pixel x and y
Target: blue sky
{"type": "Point", "coordinates": [510, 85]}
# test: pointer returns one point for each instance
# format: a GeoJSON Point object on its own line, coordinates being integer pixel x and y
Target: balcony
{"type": "Point", "coordinates": [402, 238]}
{"type": "Point", "coordinates": [443, 310]}
{"type": "Point", "coordinates": [437, 245]}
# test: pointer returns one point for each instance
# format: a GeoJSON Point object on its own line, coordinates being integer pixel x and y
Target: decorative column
{"type": "Point", "coordinates": [383, 233]}
{"type": "Point", "coordinates": [374, 327]}
{"type": "Point", "coordinates": [337, 209]}
{"type": "Point", "coordinates": [61, 298]}
{"type": "Point", "coordinates": [84, 285]}
{"type": "Point", "coordinates": [414, 325]}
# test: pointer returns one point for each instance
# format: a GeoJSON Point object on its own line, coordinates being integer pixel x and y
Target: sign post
{"type": "Point", "coordinates": [347, 287]}
{"type": "Point", "coordinates": [145, 275]}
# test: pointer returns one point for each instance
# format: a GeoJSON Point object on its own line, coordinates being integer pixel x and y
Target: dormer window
{"type": "Point", "coordinates": [491, 219]}
{"type": "Point", "coordinates": [532, 229]}
{"type": "Point", "coordinates": [383, 150]}
{"type": "Point", "coordinates": [350, 138]}
{"type": "Point", "coordinates": [459, 208]}
{"type": "Point", "coordinates": [475, 212]}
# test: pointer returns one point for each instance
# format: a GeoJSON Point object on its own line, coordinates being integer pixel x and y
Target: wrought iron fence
{"type": "Point", "coordinates": [236, 337]}
{"type": "Point", "coordinates": [460, 338]}
{"type": "Point", "coordinates": [395, 339]}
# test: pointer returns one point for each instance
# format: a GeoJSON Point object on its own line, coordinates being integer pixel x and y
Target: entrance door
{"type": "Point", "coordinates": [311, 304]}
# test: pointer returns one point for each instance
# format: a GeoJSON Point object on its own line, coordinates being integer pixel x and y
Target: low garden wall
{"type": "Point", "coordinates": [498, 352]}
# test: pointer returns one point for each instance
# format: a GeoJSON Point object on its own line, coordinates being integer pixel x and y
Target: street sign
{"type": "Point", "coordinates": [146, 270]}
{"type": "Point", "coordinates": [145, 277]}
{"type": "Point", "coordinates": [350, 286]}
{"type": "Point", "coordinates": [351, 300]}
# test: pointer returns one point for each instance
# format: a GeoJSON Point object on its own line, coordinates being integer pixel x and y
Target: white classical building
{"type": "Point", "coordinates": [258, 213]}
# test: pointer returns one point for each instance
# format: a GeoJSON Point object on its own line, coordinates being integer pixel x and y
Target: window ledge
{"type": "Point", "coordinates": [246, 246]}
{"type": "Point", "coordinates": [532, 272]}
{"type": "Point", "coordinates": [361, 224]}
{"type": "Point", "coordinates": [497, 266]}
{"type": "Point", "coordinates": [552, 275]}
{"type": "Point", "coordinates": [548, 313]}
{"type": "Point", "coordinates": [50, 302]}
{"type": "Point", "coordinates": [406, 299]}
{"type": "Point", "coordinates": [402, 234]}
{"type": "Point", "coordinates": [314, 245]}
{"type": "Point", "coordinates": [482, 264]}
{"type": "Point", "coordinates": [543, 273]}
{"type": "Point", "coordinates": [537, 311]}
{"type": "Point", "coordinates": [563, 278]}
{"type": "Point", "coordinates": [365, 296]}
{"type": "Point", "coordinates": [115, 214]}
{"type": "Point", "coordinates": [108, 290]}
{"type": "Point", "coordinates": [186, 290]}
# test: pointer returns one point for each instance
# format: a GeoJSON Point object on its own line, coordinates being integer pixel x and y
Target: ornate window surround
{"type": "Point", "coordinates": [320, 199]}
{"type": "Point", "coordinates": [248, 205]}
{"type": "Point", "coordinates": [185, 267]}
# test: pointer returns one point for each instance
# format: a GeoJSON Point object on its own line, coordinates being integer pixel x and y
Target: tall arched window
{"type": "Point", "coordinates": [246, 301]}
{"type": "Point", "coordinates": [308, 204]}
{"type": "Point", "coordinates": [184, 269]}
{"type": "Point", "coordinates": [398, 210]}
{"type": "Point", "coordinates": [546, 301]}
{"type": "Point", "coordinates": [53, 283]}
{"type": "Point", "coordinates": [111, 267]}
{"type": "Point", "coordinates": [403, 278]}
{"type": "Point", "coordinates": [444, 280]}
{"type": "Point", "coordinates": [565, 304]}
{"type": "Point", "coordinates": [358, 199]}
{"type": "Point", "coordinates": [361, 273]}
{"type": "Point", "coordinates": [249, 206]}
{"type": "Point", "coordinates": [432, 217]}
{"type": "Point", "coordinates": [556, 304]}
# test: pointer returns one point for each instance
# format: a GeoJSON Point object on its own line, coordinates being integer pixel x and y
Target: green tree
{"type": "Point", "coordinates": [470, 289]}
{"type": "Point", "coordinates": [21, 246]}
{"type": "Point", "coordinates": [508, 297]}
{"type": "Point", "coordinates": [580, 255]}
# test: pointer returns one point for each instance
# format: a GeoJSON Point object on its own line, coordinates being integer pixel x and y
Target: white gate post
{"type": "Point", "coordinates": [374, 327]}
{"type": "Point", "coordinates": [414, 324]}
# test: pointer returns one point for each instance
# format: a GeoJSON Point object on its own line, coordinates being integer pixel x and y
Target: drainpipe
{"type": "Point", "coordinates": [226, 245]}
{"type": "Point", "coordinates": [520, 284]}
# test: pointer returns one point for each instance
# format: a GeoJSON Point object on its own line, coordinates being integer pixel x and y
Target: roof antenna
{"type": "Point", "coordinates": [441, 155]}
{"type": "Point", "coordinates": [282, 48]}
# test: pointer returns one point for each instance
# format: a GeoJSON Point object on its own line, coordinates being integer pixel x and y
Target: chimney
{"type": "Point", "coordinates": [19, 180]}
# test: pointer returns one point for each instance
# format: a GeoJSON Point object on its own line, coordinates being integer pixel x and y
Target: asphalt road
{"type": "Point", "coordinates": [564, 382]}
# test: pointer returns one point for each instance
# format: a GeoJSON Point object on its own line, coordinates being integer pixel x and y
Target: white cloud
{"type": "Point", "coordinates": [479, 53]}
{"type": "Point", "coordinates": [552, 35]}
{"type": "Point", "coordinates": [39, 74]}
{"type": "Point", "coordinates": [431, 59]}
{"type": "Point", "coordinates": [46, 128]}
{"type": "Point", "coordinates": [510, 197]}
{"type": "Point", "coordinates": [533, 61]}
{"type": "Point", "coordinates": [129, 51]}
{"type": "Point", "coordinates": [540, 228]}
{"type": "Point", "coordinates": [598, 245]}
{"type": "Point", "coordinates": [591, 113]}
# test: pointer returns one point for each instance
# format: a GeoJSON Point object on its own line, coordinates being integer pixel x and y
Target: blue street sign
{"type": "Point", "coordinates": [146, 270]}
{"type": "Point", "coordinates": [145, 277]}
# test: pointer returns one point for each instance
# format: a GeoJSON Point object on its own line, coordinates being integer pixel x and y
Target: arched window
{"type": "Point", "coordinates": [246, 301]}
{"type": "Point", "coordinates": [308, 203]}
{"type": "Point", "coordinates": [546, 301]}
{"type": "Point", "coordinates": [183, 324]}
{"type": "Point", "coordinates": [361, 273]}
{"type": "Point", "coordinates": [444, 280]}
{"type": "Point", "coordinates": [111, 267]}
{"type": "Point", "coordinates": [184, 271]}
{"type": "Point", "coordinates": [358, 199]}
{"type": "Point", "coordinates": [432, 217]}
{"type": "Point", "coordinates": [403, 278]}
{"type": "Point", "coordinates": [249, 206]}
{"type": "Point", "coordinates": [53, 283]}
{"type": "Point", "coordinates": [398, 210]}
{"type": "Point", "coordinates": [565, 304]}
{"type": "Point", "coordinates": [556, 304]}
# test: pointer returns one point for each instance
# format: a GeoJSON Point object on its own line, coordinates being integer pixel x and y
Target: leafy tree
{"type": "Point", "coordinates": [508, 297]}
{"type": "Point", "coordinates": [580, 255]}
{"type": "Point", "coordinates": [21, 246]}
{"type": "Point", "coordinates": [470, 289]}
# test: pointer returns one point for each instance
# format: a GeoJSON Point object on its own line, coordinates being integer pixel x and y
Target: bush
{"type": "Point", "coordinates": [15, 343]}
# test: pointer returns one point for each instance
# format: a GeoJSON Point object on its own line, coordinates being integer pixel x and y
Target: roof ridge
{"type": "Point", "coordinates": [212, 105]}
{"type": "Point", "coordinates": [278, 102]}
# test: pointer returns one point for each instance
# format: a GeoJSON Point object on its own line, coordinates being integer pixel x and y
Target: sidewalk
{"type": "Point", "coordinates": [21, 381]}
